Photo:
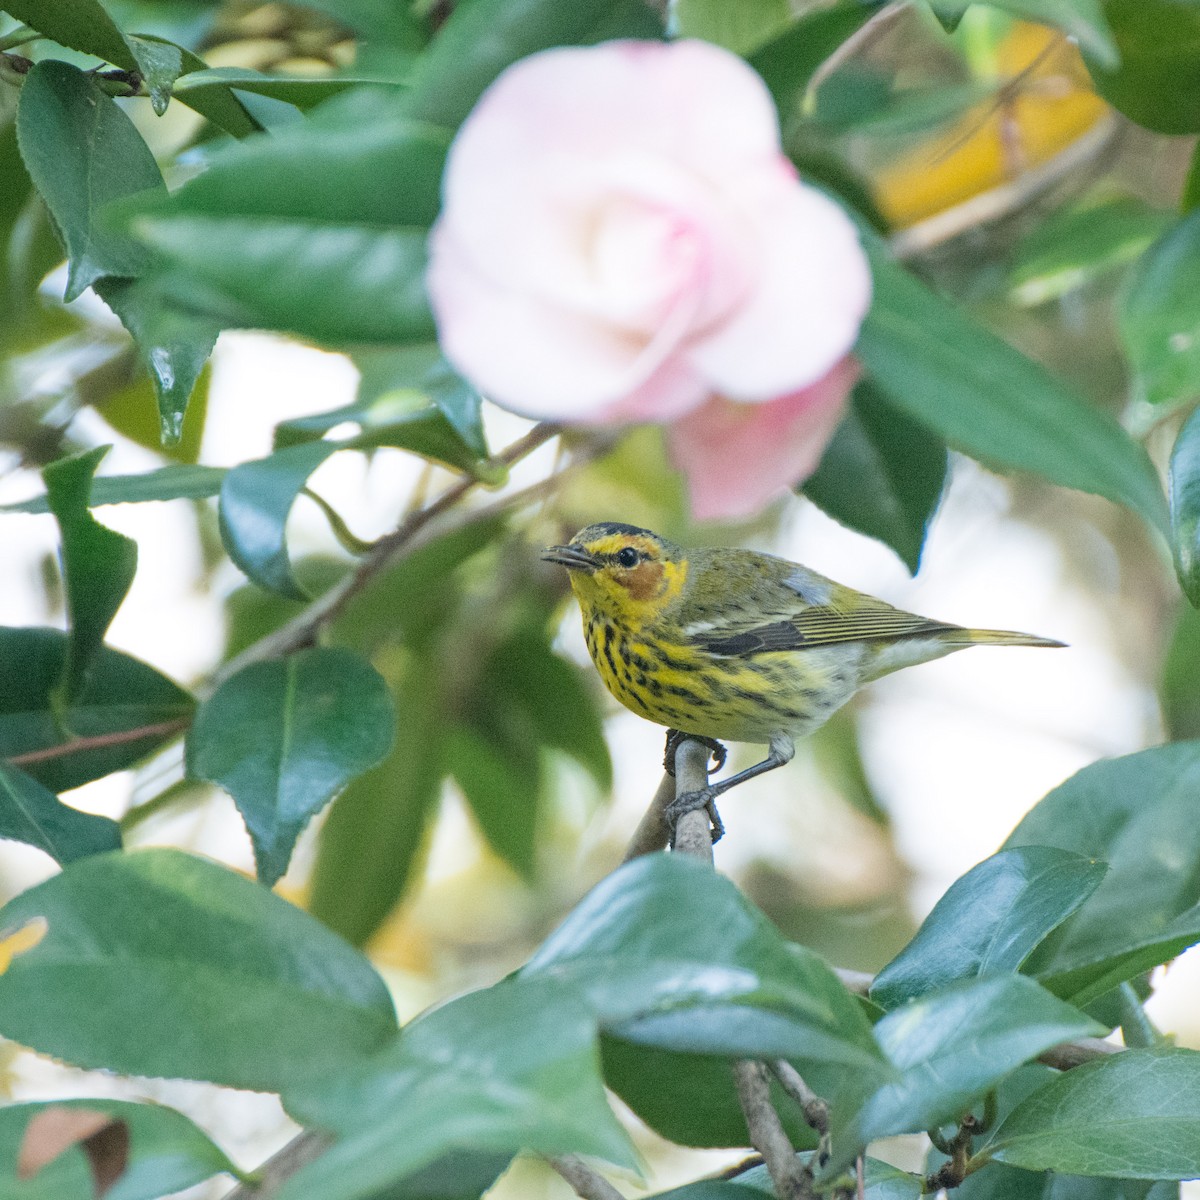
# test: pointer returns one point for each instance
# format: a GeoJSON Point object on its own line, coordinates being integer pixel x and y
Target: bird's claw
{"type": "Point", "coordinates": [705, 798]}
{"type": "Point", "coordinates": [675, 737]}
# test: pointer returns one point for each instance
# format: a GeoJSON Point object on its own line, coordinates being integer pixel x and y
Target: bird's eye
{"type": "Point", "coordinates": [628, 557]}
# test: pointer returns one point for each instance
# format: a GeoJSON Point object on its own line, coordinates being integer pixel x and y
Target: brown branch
{"type": "Point", "coordinates": [651, 834]}
{"type": "Point", "coordinates": [788, 1174]}
{"type": "Point", "coordinates": [584, 1181]}
{"type": "Point", "coordinates": [99, 741]}
{"type": "Point", "coordinates": [302, 630]}
{"type": "Point", "coordinates": [281, 1166]}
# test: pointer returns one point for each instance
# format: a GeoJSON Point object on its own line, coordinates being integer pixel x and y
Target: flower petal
{"type": "Point", "coordinates": [738, 457]}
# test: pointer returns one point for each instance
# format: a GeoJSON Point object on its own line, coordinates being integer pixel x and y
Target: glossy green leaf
{"type": "Point", "coordinates": [1184, 492]}
{"type": "Point", "coordinates": [1178, 694]}
{"type": "Point", "coordinates": [31, 813]}
{"type": "Point", "coordinates": [789, 60]}
{"type": "Point", "coordinates": [512, 1067]}
{"type": "Point", "coordinates": [1087, 21]}
{"type": "Point", "coordinates": [481, 39]}
{"type": "Point", "coordinates": [663, 938]}
{"type": "Point", "coordinates": [193, 482]}
{"type": "Point", "coordinates": [1077, 244]}
{"type": "Point", "coordinates": [304, 91]}
{"type": "Point", "coordinates": [167, 1153]}
{"type": "Point", "coordinates": [404, 419]}
{"type": "Point", "coordinates": [423, 369]}
{"type": "Point", "coordinates": [951, 1047]}
{"type": "Point", "coordinates": [741, 27]}
{"type": "Point", "coordinates": [125, 711]}
{"type": "Point", "coordinates": [83, 25]}
{"type": "Point", "coordinates": [990, 920]}
{"type": "Point", "coordinates": [147, 953]}
{"type": "Point", "coordinates": [882, 474]}
{"type": "Point", "coordinates": [284, 737]}
{"type": "Point", "coordinates": [173, 345]}
{"type": "Point", "coordinates": [256, 498]}
{"type": "Point", "coordinates": [84, 153]}
{"type": "Point", "coordinates": [336, 283]}
{"type": "Point", "coordinates": [371, 842]}
{"type": "Point", "coordinates": [379, 168]}
{"type": "Point", "coordinates": [1155, 82]}
{"type": "Point", "coordinates": [98, 564]}
{"type": "Point", "coordinates": [942, 368]}
{"type": "Point", "coordinates": [1135, 1115]}
{"type": "Point", "coordinates": [1136, 813]}
{"type": "Point", "coordinates": [690, 1099]}
{"type": "Point", "coordinates": [375, 20]}
{"type": "Point", "coordinates": [1157, 317]}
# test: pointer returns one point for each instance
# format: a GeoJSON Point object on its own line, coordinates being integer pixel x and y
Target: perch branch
{"type": "Point", "coordinates": [281, 1166]}
{"type": "Point", "coordinates": [584, 1181]}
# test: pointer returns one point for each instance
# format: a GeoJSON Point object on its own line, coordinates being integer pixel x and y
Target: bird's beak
{"type": "Point", "coordinates": [574, 558]}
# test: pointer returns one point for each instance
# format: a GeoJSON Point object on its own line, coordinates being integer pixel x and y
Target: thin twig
{"type": "Point", "coordinates": [584, 1181]}
{"type": "Point", "coordinates": [281, 1166]}
{"type": "Point", "coordinates": [302, 630]}
{"type": "Point", "coordinates": [815, 1109]}
{"type": "Point", "coordinates": [858, 42]}
{"type": "Point", "coordinates": [99, 741]}
{"type": "Point", "coordinates": [770, 1139]}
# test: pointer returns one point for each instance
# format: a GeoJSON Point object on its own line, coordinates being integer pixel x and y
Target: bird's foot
{"type": "Point", "coordinates": [674, 737]}
{"type": "Point", "coordinates": [705, 798]}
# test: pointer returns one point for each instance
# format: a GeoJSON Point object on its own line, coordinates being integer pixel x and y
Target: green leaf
{"type": "Point", "coordinates": [990, 401]}
{"type": "Point", "coordinates": [788, 61]}
{"type": "Point", "coordinates": [150, 954]}
{"type": "Point", "coordinates": [379, 168]}
{"type": "Point", "coordinates": [404, 419]}
{"type": "Point", "coordinates": [256, 498]}
{"type": "Point", "coordinates": [1184, 492]}
{"type": "Point", "coordinates": [501, 791]}
{"type": "Point", "coordinates": [82, 25]}
{"type": "Point", "coordinates": [512, 1067]}
{"type": "Point", "coordinates": [990, 920]}
{"type": "Point", "coordinates": [1137, 813]}
{"type": "Point", "coordinates": [951, 1047]}
{"type": "Point", "coordinates": [284, 737]}
{"type": "Point", "coordinates": [304, 91]}
{"type": "Point", "coordinates": [882, 474]}
{"type": "Point", "coordinates": [125, 711]}
{"type": "Point", "coordinates": [1155, 82]}
{"type": "Point", "coordinates": [371, 841]}
{"type": "Point", "coordinates": [1077, 244]}
{"type": "Point", "coordinates": [423, 369]}
{"type": "Point", "coordinates": [336, 283]}
{"type": "Point", "coordinates": [1084, 20]}
{"type": "Point", "coordinates": [1157, 317]}
{"type": "Point", "coordinates": [167, 1153]}
{"type": "Point", "coordinates": [1178, 694]}
{"type": "Point", "coordinates": [664, 938]}
{"type": "Point", "coordinates": [690, 1099]}
{"type": "Point", "coordinates": [98, 564]}
{"type": "Point", "coordinates": [83, 153]}
{"type": "Point", "coordinates": [173, 345]}
{"type": "Point", "coordinates": [1135, 1115]}
{"type": "Point", "coordinates": [192, 482]}
{"type": "Point", "coordinates": [482, 38]}
{"type": "Point", "coordinates": [1190, 200]}
{"type": "Point", "coordinates": [741, 27]}
{"type": "Point", "coordinates": [160, 63]}
{"type": "Point", "coordinates": [33, 814]}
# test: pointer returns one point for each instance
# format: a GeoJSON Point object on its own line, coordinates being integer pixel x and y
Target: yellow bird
{"type": "Point", "coordinates": [733, 644]}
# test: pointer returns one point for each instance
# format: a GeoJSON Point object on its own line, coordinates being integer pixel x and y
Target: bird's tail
{"type": "Point", "coordinates": [996, 637]}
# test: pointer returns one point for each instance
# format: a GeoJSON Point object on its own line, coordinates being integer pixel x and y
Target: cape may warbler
{"type": "Point", "coordinates": [738, 645]}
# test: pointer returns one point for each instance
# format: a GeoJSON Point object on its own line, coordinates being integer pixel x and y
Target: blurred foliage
{"type": "Point", "coordinates": [176, 169]}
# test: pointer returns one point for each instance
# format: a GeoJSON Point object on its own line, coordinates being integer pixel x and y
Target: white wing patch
{"type": "Point", "coordinates": [811, 588]}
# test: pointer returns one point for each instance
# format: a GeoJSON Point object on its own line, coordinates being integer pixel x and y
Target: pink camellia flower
{"type": "Point", "coordinates": [622, 239]}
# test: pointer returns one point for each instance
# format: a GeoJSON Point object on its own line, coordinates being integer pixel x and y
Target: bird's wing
{"type": "Point", "coordinates": [865, 620]}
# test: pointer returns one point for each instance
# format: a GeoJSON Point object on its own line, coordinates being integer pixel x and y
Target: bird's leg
{"type": "Point", "coordinates": [675, 736]}
{"type": "Point", "coordinates": [779, 753]}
